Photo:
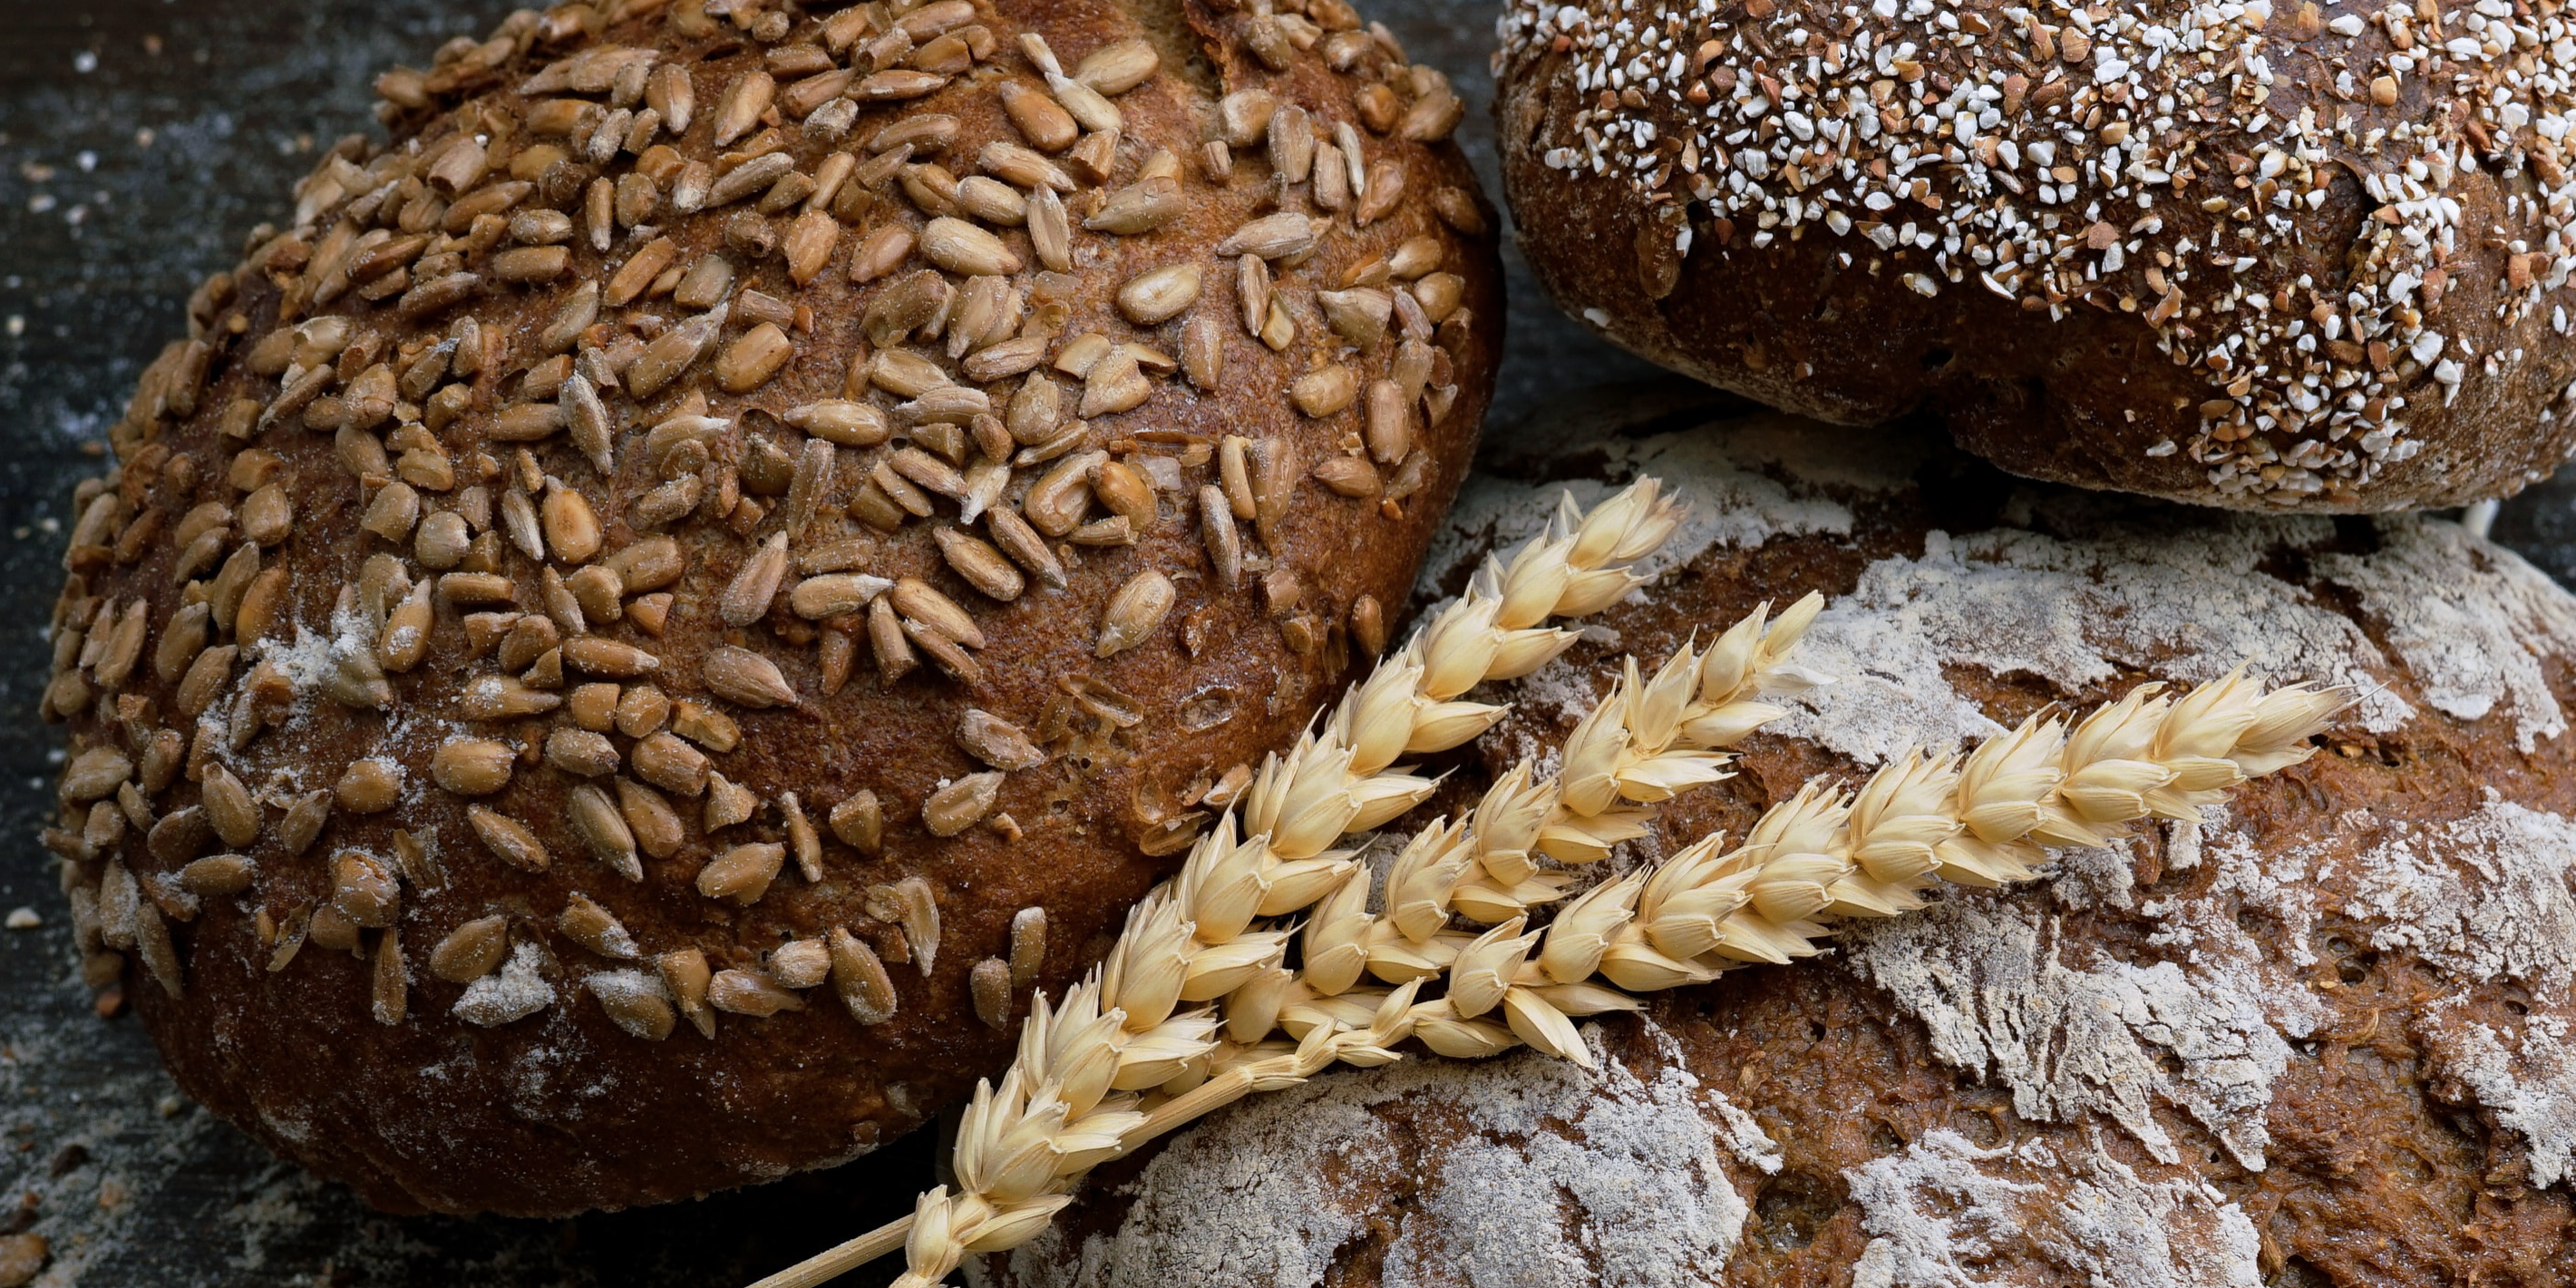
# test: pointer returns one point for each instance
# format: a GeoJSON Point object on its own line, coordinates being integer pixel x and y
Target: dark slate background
{"type": "Point", "coordinates": [140, 140]}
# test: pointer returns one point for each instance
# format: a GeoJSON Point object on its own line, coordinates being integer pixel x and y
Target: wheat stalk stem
{"type": "Point", "coordinates": [1132, 1053]}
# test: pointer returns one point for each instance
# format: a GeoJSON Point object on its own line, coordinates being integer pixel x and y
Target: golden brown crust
{"type": "Point", "coordinates": [2216, 253]}
{"type": "Point", "coordinates": [851, 700]}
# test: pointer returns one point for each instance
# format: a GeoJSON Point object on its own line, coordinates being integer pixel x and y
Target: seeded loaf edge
{"type": "Point", "coordinates": [638, 630]}
{"type": "Point", "coordinates": [2316, 1039]}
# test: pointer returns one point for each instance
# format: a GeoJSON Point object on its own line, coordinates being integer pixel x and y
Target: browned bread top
{"type": "Point", "coordinates": [2319, 1037]}
{"type": "Point", "coordinates": [2253, 254]}
{"type": "Point", "coordinates": [634, 634]}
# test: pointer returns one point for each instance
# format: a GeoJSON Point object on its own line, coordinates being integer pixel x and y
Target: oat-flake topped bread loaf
{"type": "Point", "coordinates": [2262, 254]}
{"type": "Point", "coordinates": [638, 630]}
{"type": "Point", "coordinates": [2321, 1037]}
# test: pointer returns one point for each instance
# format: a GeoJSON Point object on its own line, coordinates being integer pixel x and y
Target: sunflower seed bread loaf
{"type": "Point", "coordinates": [636, 631]}
{"type": "Point", "coordinates": [2276, 254]}
{"type": "Point", "coordinates": [2320, 1038]}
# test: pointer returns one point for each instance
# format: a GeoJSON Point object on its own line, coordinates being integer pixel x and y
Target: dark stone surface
{"type": "Point", "coordinates": [140, 140]}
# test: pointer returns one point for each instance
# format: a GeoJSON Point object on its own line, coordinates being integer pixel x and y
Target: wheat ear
{"type": "Point", "coordinates": [1822, 856]}
{"type": "Point", "coordinates": [1982, 819]}
{"type": "Point", "coordinates": [1069, 1100]}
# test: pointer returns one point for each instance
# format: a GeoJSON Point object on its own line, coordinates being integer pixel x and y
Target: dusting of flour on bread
{"type": "Point", "coordinates": [2073, 1031]}
{"type": "Point", "coordinates": [1643, 1187]}
{"type": "Point", "coordinates": [1944, 1213]}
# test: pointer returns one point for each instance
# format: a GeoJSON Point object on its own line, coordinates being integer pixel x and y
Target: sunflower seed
{"type": "Point", "coordinates": [152, 944]}
{"type": "Point", "coordinates": [1160, 294]}
{"type": "Point", "coordinates": [1038, 117]}
{"type": "Point", "coordinates": [670, 92]}
{"type": "Point", "coordinates": [809, 244]}
{"type": "Point", "coordinates": [229, 807]}
{"type": "Point", "coordinates": [571, 526]}
{"type": "Point", "coordinates": [1291, 140]}
{"type": "Point", "coordinates": [472, 766]}
{"type": "Point", "coordinates": [1203, 351]}
{"type": "Point", "coordinates": [503, 697]}
{"type": "Point", "coordinates": [581, 753]}
{"type": "Point", "coordinates": [593, 655]}
{"type": "Point", "coordinates": [850, 424]}
{"type": "Point", "coordinates": [833, 594]}
{"type": "Point", "coordinates": [471, 951]}
{"type": "Point", "coordinates": [303, 822]}
{"type": "Point", "coordinates": [1139, 208]}
{"type": "Point", "coordinates": [1114, 384]}
{"type": "Point", "coordinates": [1368, 625]}
{"type": "Point", "coordinates": [992, 201]}
{"type": "Point", "coordinates": [742, 873]}
{"type": "Point", "coordinates": [656, 825]}
{"type": "Point", "coordinates": [1284, 235]}
{"type": "Point", "coordinates": [881, 253]}
{"type": "Point", "coordinates": [746, 678]}
{"type": "Point", "coordinates": [1124, 489]}
{"type": "Point", "coordinates": [990, 986]}
{"type": "Point", "coordinates": [1325, 390]}
{"type": "Point", "coordinates": [1332, 186]}
{"type": "Point", "coordinates": [181, 641]}
{"type": "Point", "coordinates": [595, 928]}
{"type": "Point", "coordinates": [1055, 504]}
{"type": "Point", "coordinates": [860, 978]}
{"type": "Point", "coordinates": [364, 890]}
{"type": "Point", "coordinates": [603, 828]}
{"type": "Point", "coordinates": [741, 105]}
{"type": "Point", "coordinates": [800, 963]}
{"type": "Point", "coordinates": [1050, 230]}
{"type": "Point", "coordinates": [961, 247]}
{"type": "Point", "coordinates": [750, 993]}
{"type": "Point", "coordinates": [1417, 256]}
{"type": "Point", "coordinates": [897, 86]}
{"type": "Point", "coordinates": [218, 875]}
{"type": "Point", "coordinates": [947, 654]}
{"type": "Point", "coordinates": [997, 742]}
{"type": "Point", "coordinates": [1022, 543]}
{"type": "Point", "coordinates": [910, 904]}
{"type": "Point", "coordinates": [1022, 168]}
{"type": "Point", "coordinates": [670, 764]}
{"type": "Point", "coordinates": [916, 600]}
{"type": "Point", "coordinates": [1118, 67]}
{"type": "Point", "coordinates": [1384, 191]}
{"type": "Point", "coordinates": [750, 361]}
{"type": "Point", "coordinates": [1224, 543]}
{"type": "Point", "coordinates": [982, 566]}
{"type": "Point", "coordinates": [1359, 315]}
{"type": "Point", "coordinates": [1349, 476]}
{"type": "Point", "coordinates": [802, 841]}
{"type": "Point", "coordinates": [894, 652]}
{"type": "Point", "coordinates": [747, 597]}
{"type": "Point", "coordinates": [905, 373]}
{"type": "Point", "coordinates": [1028, 945]}
{"type": "Point", "coordinates": [1440, 294]}
{"type": "Point", "coordinates": [390, 980]}
{"type": "Point", "coordinates": [209, 673]}
{"type": "Point", "coordinates": [860, 822]}
{"type": "Point", "coordinates": [634, 1001]}
{"type": "Point", "coordinates": [1134, 612]}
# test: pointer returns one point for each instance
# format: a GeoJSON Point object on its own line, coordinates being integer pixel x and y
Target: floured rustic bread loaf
{"type": "Point", "coordinates": [636, 632]}
{"type": "Point", "coordinates": [2255, 255]}
{"type": "Point", "coordinates": [2320, 1038]}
